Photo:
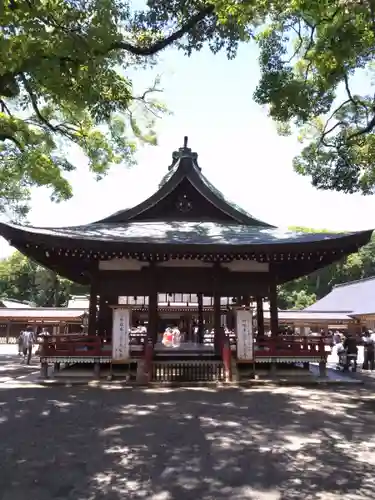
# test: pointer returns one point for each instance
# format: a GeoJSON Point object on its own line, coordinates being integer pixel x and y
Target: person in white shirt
{"type": "Point", "coordinates": [28, 340]}
{"type": "Point", "coordinates": [336, 337]}
{"type": "Point", "coordinates": [368, 343]}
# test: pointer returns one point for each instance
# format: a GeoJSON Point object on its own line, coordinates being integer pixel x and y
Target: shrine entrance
{"type": "Point", "coordinates": [184, 321]}
{"type": "Point", "coordinates": [186, 236]}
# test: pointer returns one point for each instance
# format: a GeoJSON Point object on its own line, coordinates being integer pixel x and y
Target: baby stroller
{"type": "Point", "coordinates": [347, 362]}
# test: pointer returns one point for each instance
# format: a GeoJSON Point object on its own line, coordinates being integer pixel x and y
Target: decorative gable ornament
{"type": "Point", "coordinates": [183, 204]}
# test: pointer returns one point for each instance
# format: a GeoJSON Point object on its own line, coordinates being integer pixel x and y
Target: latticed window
{"type": "Point", "coordinates": [207, 301]}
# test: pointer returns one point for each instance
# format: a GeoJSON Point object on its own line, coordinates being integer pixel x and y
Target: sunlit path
{"type": "Point", "coordinates": [231, 444]}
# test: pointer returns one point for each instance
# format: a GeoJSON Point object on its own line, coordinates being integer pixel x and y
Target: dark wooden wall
{"type": "Point", "coordinates": [200, 209]}
{"type": "Point", "coordinates": [207, 281]}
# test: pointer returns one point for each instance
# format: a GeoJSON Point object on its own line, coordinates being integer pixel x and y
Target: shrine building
{"type": "Point", "coordinates": [187, 238]}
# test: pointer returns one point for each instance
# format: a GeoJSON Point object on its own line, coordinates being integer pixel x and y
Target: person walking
{"type": "Point", "coordinates": [28, 340]}
{"type": "Point", "coordinates": [20, 343]}
{"type": "Point", "coordinates": [368, 343]}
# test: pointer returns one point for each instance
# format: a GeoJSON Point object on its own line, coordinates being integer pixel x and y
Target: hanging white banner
{"type": "Point", "coordinates": [244, 331]}
{"type": "Point", "coordinates": [120, 334]}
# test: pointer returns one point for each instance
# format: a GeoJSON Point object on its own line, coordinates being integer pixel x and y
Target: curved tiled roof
{"type": "Point", "coordinates": [354, 298]}
{"type": "Point", "coordinates": [46, 313]}
{"type": "Point", "coordinates": [185, 166]}
{"type": "Point", "coordinates": [182, 232]}
{"type": "Point", "coordinates": [140, 229]}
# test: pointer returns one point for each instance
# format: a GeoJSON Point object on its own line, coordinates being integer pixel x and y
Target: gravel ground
{"type": "Point", "coordinates": [197, 444]}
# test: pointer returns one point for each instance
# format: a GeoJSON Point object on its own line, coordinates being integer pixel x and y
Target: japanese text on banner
{"type": "Point", "coordinates": [120, 334]}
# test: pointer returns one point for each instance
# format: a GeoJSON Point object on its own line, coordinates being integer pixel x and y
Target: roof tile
{"type": "Point", "coordinates": [181, 232]}
{"type": "Point", "coordinates": [356, 297]}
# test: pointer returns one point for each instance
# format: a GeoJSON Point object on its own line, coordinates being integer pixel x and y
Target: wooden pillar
{"type": "Point", "coordinates": [105, 314]}
{"type": "Point", "coordinates": [93, 306]}
{"type": "Point", "coordinates": [274, 319]}
{"type": "Point", "coordinates": [200, 318]}
{"type": "Point", "coordinates": [101, 315]}
{"type": "Point", "coordinates": [260, 317]}
{"type": "Point", "coordinates": [110, 300]}
{"type": "Point", "coordinates": [188, 328]}
{"type": "Point", "coordinates": [232, 320]}
{"type": "Point", "coordinates": [8, 331]}
{"type": "Point", "coordinates": [152, 326]}
{"type": "Point", "coordinates": [323, 369]}
{"type": "Point", "coordinates": [217, 322]}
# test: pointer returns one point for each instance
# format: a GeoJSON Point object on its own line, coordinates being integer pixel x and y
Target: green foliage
{"type": "Point", "coordinates": [290, 297]}
{"type": "Point", "coordinates": [64, 81]}
{"type": "Point", "coordinates": [23, 279]}
{"type": "Point", "coordinates": [303, 292]}
{"type": "Point", "coordinates": [310, 53]}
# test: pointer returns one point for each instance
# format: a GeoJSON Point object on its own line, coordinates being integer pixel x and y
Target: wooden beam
{"type": "Point", "coordinates": [184, 281]}
{"type": "Point", "coordinates": [152, 327]}
{"type": "Point", "coordinates": [217, 323]}
{"type": "Point", "coordinates": [94, 290]}
{"type": "Point", "coordinates": [274, 320]}
{"type": "Point", "coordinates": [260, 316]}
{"type": "Point", "coordinates": [200, 317]}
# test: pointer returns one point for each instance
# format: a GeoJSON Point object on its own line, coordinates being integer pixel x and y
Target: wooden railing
{"type": "Point", "coordinates": [71, 346]}
{"type": "Point", "coordinates": [208, 340]}
{"type": "Point", "coordinates": [290, 346]}
{"type": "Point", "coordinates": [187, 371]}
{"type": "Point", "coordinates": [8, 340]}
{"type": "Point", "coordinates": [78, 345]}
{"type": "Point", "coordinates": [286, 346]}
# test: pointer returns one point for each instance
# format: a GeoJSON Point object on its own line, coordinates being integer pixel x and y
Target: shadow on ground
{"type": "Point", "coordinates": [13, 367]}
{"type": "Point", "coordinates": [176, 444]}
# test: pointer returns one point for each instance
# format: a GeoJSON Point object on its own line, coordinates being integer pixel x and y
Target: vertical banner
{"type": "Point", "coordinates": [120, 334]}
{"type": "Point", "coordinates": [244, 330]}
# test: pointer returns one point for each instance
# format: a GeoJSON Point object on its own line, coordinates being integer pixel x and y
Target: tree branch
{"type": "Point", "coordinates": [165, 42]}
{"type": "Point", "coordinates": [327, 131]}
{"type": "Point", "coordinates": [62, 129]}
{"type": "Point", "coordinates": [354, 101]}
{"type": "Point", "coordinates": [300, 41]}
{"type": "Point", "coordinates": [152, 49]}
{"type": "Point", "coordinates": [4, 107]}
{"type": "Point", "coordinates": [34, 104]}
{"type": "Point", "coordinates": [365, 130]}
{"type": "Point", "coordinates": [4, 137]}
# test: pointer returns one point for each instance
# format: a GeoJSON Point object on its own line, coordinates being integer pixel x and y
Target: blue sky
{"type": "Point", "coordinates": [238, 147]}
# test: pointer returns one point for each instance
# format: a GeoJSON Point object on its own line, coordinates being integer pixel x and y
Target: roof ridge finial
{"type": "Point", "coordinates": [183, 152]}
